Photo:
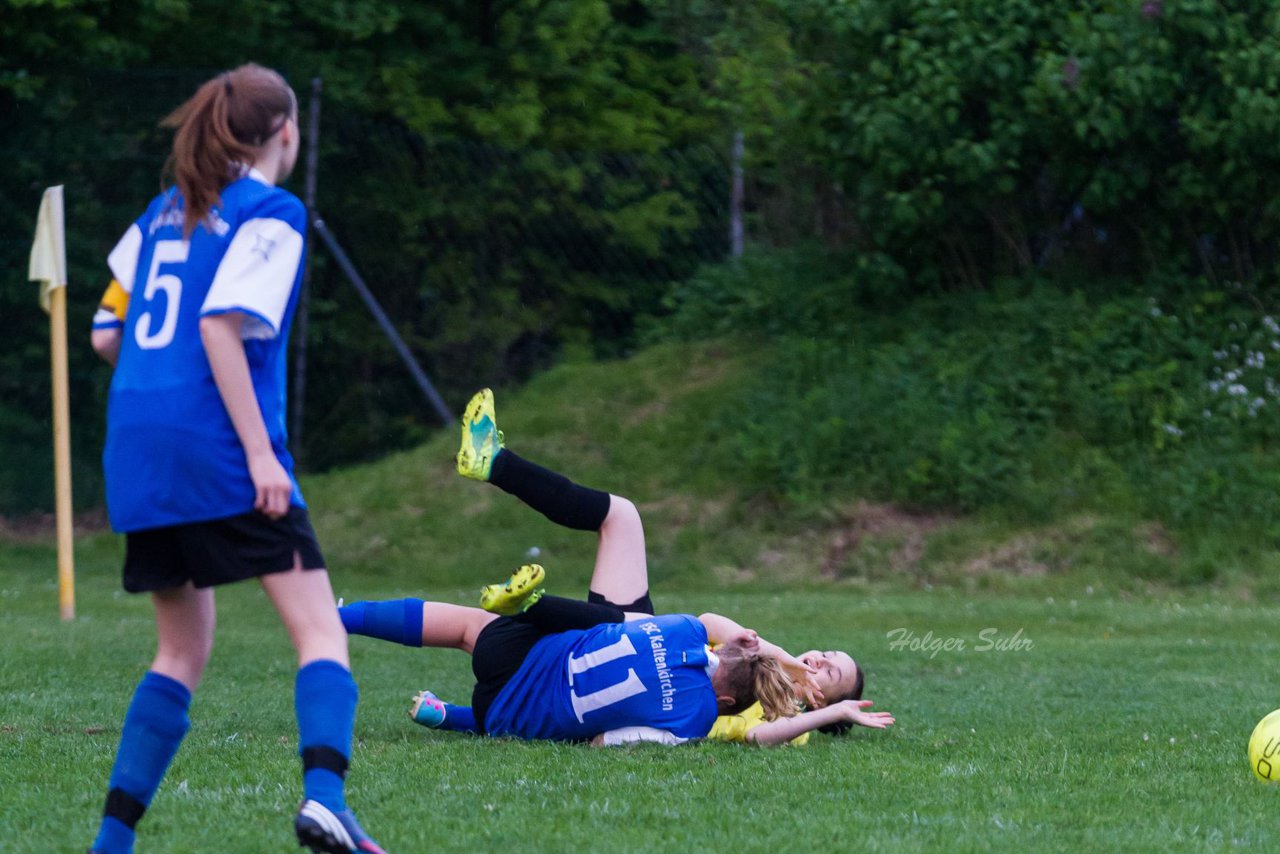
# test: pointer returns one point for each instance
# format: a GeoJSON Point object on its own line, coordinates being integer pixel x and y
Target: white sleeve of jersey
{"type": "Point", "coordinates": [633, 734]}
{"type": "Point", "coordinates": [123, 260]}
{"type": "Point", "coordinates": [256, 276]}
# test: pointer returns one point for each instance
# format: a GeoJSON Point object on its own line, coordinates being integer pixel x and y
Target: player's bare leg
{"type": "Point", "coordinates": [157, 720]}
{"type": "Point", "coordinates": [185, 620]}
{"type": "Point", "coordinates": [621, 573]}
{"type": "Point", "coordinates": [325, 701]}
{"type": "Point", "coordinates": [453, 626]}
{"type": "Point", "coordinates": [416, 622]}
{"type": "Point", "coordinates": [304, 600]}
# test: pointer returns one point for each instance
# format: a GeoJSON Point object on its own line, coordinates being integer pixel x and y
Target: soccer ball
{"type": "Point", "coordinates": [1264, 748]}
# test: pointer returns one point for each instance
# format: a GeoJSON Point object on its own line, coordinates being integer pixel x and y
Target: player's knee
{"type": "Point", "coordinates": [622, 514]}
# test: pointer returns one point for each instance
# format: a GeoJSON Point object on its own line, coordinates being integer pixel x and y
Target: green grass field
{"type": "Point", "coordinates": [1121, 727]}
{"type": "Point", "coordinates": [1117, 721]}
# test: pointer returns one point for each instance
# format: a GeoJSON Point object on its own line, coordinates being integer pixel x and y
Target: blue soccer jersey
{"type": "Point", "coordinates": [649, 673]}
{"type": "Point", "coordinates": [172, 454]}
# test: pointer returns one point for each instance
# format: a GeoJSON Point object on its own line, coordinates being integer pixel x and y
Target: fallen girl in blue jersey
{"type": "Point", "coordinates": [750, 726]}
{"type": "Point", "coordinates": [196, 322]}
{"type": "Point", "coordinates": [523, 596]}
{"type": "Point", "coordinates": [830, 682]}
{"type": "Point", "coordinates": [655, 679]}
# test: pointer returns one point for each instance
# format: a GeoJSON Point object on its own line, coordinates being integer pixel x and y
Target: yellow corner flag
{"type": "Point", "coordinates": [49, 268]}
{"type": "Point", "coordinates": [49, 252]}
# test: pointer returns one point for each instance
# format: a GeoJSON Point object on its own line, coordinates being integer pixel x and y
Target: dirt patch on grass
{"type": "Point", "coordinates": [884, 541]}
{"type": "Point", "coordinates": [883, 523]}
{"type": "Point", "coordinates": [644, 414]}
{"type": "Point", "coordinates": [1012, 557]}
{"type": "Point", "coordinates": [672, 512]}
{"type": "Point", "coordinates": [1038, 553]}
{"type": "Point", "coordinates": [1156, 540]}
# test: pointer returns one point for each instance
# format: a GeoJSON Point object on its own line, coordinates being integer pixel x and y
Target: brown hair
{"type": "Point", "coordinates": [855, 693]}
{"type": "Point", "coordinates": [217, 130]}
{"type": "Point", "coordinates": [753, 676]}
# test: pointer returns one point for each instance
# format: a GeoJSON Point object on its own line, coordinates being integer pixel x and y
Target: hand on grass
{"type": "Point", "coordinates": [852, 711]}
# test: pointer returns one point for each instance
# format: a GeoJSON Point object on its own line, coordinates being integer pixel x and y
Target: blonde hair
{"type": "Point", "coordinates": [218, 129]}
{"type": "Point", "coordinates": [755, 677]}
{"type": "Point", "coordinates": [775, 690]}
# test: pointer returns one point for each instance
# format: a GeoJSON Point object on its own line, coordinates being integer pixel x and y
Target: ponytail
{"type": "Point", "coordinates": [774, 689]}
{"type": "Point", "coordinates": [755, 677]}
{"type": "Point", "coordinates": [217, 132]}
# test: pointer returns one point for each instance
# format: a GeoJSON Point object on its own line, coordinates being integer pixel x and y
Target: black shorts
{"type": "Point", "coordinates": [643, 605]}
{"type": "Point", "coordinates": [219, 551]}
{"type": "Point", "coordinates": [500, 649]}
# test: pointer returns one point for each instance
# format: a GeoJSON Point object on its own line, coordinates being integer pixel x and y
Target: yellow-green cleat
{"type": "Point", "coordinates": [481, 438]}
{"type": "Point", "coordinates": [518, 594]}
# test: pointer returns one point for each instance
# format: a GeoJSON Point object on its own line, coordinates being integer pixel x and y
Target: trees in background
{"type": "Point", "coordinates": [961, 141]}
{"type": "Point", "coordinates": [520, 180]}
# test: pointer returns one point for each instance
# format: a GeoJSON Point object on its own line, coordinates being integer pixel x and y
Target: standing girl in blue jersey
{"type": "Point", "coordinates": [198, 476]}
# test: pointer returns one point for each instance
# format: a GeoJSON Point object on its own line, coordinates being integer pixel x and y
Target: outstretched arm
{"type": "Point", "coordinates": [783, 730]}
{"type": "Point", "coordinates": [721, 629]}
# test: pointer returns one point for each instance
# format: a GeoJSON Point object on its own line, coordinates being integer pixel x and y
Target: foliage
{"type": "Point", "coordinates": [1033, 400]}
{"type": "Point", "coordinates": [523, 255]}
{"type": "Point", "coordinates": [499, 172]}
{"type": "Point", "coordinates": [972, 139]}
{"type": "Point", "coordinates": [520, 181]}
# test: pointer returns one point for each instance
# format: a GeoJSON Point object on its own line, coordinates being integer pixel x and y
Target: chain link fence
{"type": "Point", "coordinates": [491, 263]}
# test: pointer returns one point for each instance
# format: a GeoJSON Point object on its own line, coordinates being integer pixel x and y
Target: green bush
{"type": "Point", "coordinates": [972, 139]}
{"type": "Point", "coordinates": [1031, 399]}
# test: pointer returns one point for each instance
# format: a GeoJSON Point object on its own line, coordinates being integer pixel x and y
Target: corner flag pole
{"type": "Point", "coordinates": [49, 268]}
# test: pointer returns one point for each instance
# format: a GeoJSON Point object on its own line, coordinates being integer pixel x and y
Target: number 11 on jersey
{"type": "Point", "coordinates": [607, 696]}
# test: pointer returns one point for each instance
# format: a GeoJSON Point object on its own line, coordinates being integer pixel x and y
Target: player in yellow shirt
{"type": "Point", "coordinates": [752, 726]}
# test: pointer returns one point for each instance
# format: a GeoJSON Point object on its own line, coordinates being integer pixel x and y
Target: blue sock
{"type": "Point", "coordinates": [458, 719]}
{"type": "Point", "coordinates": [153, 728]}
{"type": "Point", "coordinates": [396, 620]}
{"type": "Point", "coordinates": [325, 700]}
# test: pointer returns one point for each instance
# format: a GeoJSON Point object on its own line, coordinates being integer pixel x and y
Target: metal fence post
{"type": "Point", "coordinates": [299, 390]}
{"type": "Point", "coordinates": [736, 198]}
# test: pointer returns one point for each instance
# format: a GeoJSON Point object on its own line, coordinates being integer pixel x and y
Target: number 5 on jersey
{"type": "Point", "coordinates": [150, 334]}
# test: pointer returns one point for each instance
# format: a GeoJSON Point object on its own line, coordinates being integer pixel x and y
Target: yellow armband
{"type": "Point", "coordinates": [115, 300]}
